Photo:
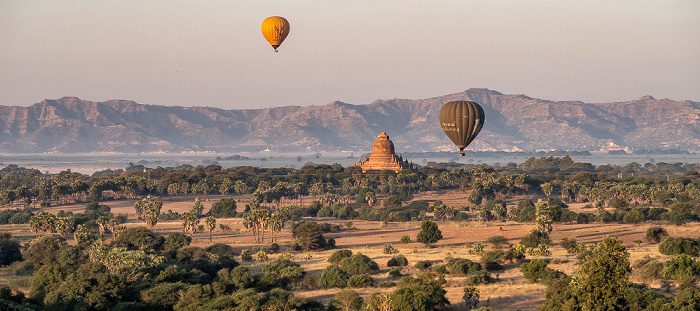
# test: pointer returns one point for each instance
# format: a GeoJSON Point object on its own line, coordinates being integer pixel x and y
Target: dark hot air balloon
{"type": "Point", "coordinates": [461, 121]}
{"type": "Point", "coordinates": [275, 29]}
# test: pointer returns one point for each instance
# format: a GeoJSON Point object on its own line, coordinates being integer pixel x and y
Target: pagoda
{"type": "Point", "coordinates": [383, 157]}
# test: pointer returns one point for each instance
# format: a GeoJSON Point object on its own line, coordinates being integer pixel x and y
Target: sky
{"type": "Point", "coordinates": [212, 52]}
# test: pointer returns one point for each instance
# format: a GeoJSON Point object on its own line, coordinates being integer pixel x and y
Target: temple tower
{"type": "Point", "coordinates": [383, 157]}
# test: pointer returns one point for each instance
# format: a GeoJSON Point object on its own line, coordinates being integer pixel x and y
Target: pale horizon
{"type": "Point", "coordinates": [212, 53]}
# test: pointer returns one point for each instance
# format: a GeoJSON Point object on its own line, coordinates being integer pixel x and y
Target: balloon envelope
{"type": "Point", "coordinates": [461, 121]}
{"type": "Point", "coordinates": [275, 29]}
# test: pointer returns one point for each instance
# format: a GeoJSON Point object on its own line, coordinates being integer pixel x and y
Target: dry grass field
{"type": "Point", "coordinates": [512, 292]}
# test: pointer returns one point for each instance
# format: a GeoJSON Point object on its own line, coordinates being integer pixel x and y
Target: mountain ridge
{"type": "Point", "coordinates": [513, 122]}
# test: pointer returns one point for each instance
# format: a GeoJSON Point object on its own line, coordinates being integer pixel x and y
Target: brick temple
{"type": "Point", "coordinates": [383, 157]}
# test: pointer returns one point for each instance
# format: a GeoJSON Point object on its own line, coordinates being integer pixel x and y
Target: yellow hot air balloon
{"type": "Point", "coordinates": [461, 121]}
{"type": "Point", "coordinates": [275, 29]}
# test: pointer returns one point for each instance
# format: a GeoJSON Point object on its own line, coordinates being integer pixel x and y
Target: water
{"type": "Point", "coordinates": [90, 163]}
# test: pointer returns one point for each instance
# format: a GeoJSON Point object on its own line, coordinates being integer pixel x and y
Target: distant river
{"type": "Point", "coordinates": [90, 163]}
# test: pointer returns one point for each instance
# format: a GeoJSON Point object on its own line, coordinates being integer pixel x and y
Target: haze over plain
{"type": "Point", "coordinates": [211, 53]}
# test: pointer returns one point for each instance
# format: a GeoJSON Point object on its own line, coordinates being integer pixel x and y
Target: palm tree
{"type": "Point", "coordinates": [189, 223]}
{"type": "Point", "coordinates": [211, 225]}
{"type": "Point", "coordinates": [152, 217]}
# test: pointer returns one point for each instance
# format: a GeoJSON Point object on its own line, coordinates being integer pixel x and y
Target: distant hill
{"type": "Point", "coordinates": [513, 122]}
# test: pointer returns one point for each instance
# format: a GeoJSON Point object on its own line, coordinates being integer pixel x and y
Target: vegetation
{"type": "Point", "coordinates": [109, 266]}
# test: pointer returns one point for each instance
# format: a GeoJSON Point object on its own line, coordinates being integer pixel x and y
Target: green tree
{"type": "Point", "coordinates": [9, 249]}
{"type": "Point", "coordinates": [309, 236]}
{"type": "Point", "coordinates": [224, 208]}
{"type": "Point", "coordinates": [429, 233]}
{"type": "Point", "coordinates": [600, 282]}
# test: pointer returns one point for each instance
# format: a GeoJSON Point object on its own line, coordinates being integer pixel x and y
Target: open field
{"type": "Point", "coordinates": [511, 292]}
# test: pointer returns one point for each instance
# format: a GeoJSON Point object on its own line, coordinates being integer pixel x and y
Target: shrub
{"type": "Point", "coordinates": [360, 280]}
{"type": "Point", "coordinates": [570, 245]}
{"type": "Point", "coordinates": [492, 260]}
{"type": "Point", "coordinates": [497, 240]}
{"type": "Point", "coordinates": [681, 266]}
{"type": "Point", "coordinates": [679, 245]}
{"type": "Point", "coordinates": [462, 266]}
{"type": "Point", "coordinates": [423, 264]}
{"type": "Point", "coordinates": [534, 270]}
{"type": "Point", "coordinates": [358, 264]}
{"type": "Point", "coordinates": [405, 239]}
{"type": "Point", "coordinates": [333, 276]}
{"type": "Point", "coordinates": [337, 256]}
{"type": "Point", "coordinates": [655, 234]}
{"type": "Point", "coordinates": [246, 255]}
{"type": "Point", "coordinates": [389, 249]}
{"type": "Point", "coordinates": [478, 277]}
{"type": "Point", "coordinates": [394, 272]}
{"type": "Point", "coordinates": [441, 269]}
{"type": "Point", "coordinates": [398, 261]}
{"type": "Point", "coordinates": [535, 238]}
{"type": "Point", "coordinates": [429, 233]}
{"type": "Point", "coordinates": [346, 300]}
{"type": "Point", "coordinates": [477, 248]}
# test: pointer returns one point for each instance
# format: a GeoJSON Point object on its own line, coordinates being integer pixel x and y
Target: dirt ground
{"type": "Point", "coordinates": [511, 293]}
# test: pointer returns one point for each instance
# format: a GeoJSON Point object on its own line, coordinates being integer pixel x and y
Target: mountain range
{"type": "Point", "coordinates": [513, 123]}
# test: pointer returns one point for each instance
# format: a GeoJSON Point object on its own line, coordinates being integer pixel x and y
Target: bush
{"type": "Point", "coordinates": [429, 233]}
{"type": "Point", "coordinates": [492, 260]}
{"type": "Point", "coordinates": [333, 276]}
{"type": "Point", "coordinates": [441, 269]}
{"type": "Point", "coordinates": [337, 256]}
{"type": "Point", "coordinates": [497, 240]}
{"type": "Point", "coordinates": [394, 272]}
{"type": "Point", "coordinates": [479, 277]}
{"type": "Point", "coordinates": [570, 245]}
{"type": "Point", "coordinates": [423, 264]}
{"type": "Point", "coordinates": [398, 261]}
{"type": "Point", "coordinates": [358, 264]}
{"type": "Point", "coordinates": [534, 270]}
{"type": "Point", "coordinates": [655, 234]}
{"type": "Point", "coordinates": [360, 280]}
{"type": "Point", "coordinates": [535, 238]}
{"type": "Point", "coordinates": [389, 249]}
{"type": "Point", "coordinates": [246, 255]}
{"type": "Point", "coordinates": [405, 239]}
{"type": "Point", "coordinates": [462, 266]}
{"type": "Point", "coordinates": [680, 245]}
{"type": "Point", "coordinates": [346, 300]}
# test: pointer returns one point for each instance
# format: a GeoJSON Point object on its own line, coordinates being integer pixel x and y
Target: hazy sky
{"type": "Point", "coordinates": [212, 53]}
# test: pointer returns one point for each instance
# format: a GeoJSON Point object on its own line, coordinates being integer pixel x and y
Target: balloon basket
{"type": "Point", "coordinates": [461, 154]}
